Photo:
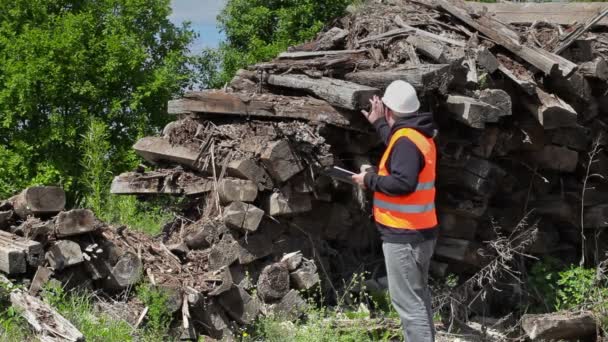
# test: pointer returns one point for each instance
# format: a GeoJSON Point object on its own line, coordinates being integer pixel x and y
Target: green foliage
{"type": "Point", "coordinates": [78, 308]}
{"type": "Point", "coordinates": [576, 287]}
{"type": "Point", "coordinates": [96, 167]}
{"type": "Point", "coordinates": [148, 217]}
{"type": "Point", "coordinates": [66, 67]}
{"type": "Point", "coordinates": [568, 288]}
{"type": "Point", "coordinates": [258, 30]}
{"type": "Point", "coordinates": [158, 317]}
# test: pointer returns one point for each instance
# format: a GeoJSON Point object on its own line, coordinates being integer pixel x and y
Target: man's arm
{"type": "Point", "coordinates": [383, 129]}
{"type": "Point", "coordinates": [405, 164]}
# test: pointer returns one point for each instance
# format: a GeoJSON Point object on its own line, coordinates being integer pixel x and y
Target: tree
{"type": "Point", "coordinates": [258, 30]}
{"type": "Point", "coordinates": [65, 64]}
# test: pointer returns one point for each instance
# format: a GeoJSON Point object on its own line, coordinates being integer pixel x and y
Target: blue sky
{"type": "Point", "coordinates": [202, 14]}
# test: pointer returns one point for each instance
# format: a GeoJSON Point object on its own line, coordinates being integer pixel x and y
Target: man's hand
{"type": "Point", "coordinates": [359, 179]}
{"type": "Point", "coordinates": [377, 111]}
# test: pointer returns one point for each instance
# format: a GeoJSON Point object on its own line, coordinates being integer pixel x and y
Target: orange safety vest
{"type": "Point", "coordinates": [415, 210]}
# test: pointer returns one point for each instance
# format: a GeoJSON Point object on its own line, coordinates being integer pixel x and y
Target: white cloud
{"type": "Point", "coordinates": [197, 11]}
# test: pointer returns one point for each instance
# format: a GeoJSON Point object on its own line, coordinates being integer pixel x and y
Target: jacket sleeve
{"type": "Point", "coordinates": [404, 164]}
{"type": "Point", "coordinates": [383, 130]}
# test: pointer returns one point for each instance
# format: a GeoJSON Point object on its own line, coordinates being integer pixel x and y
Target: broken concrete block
{"type": "Point", "coordinates": [243, 216]}
{"type": "Point", "coordinates": [281, 205]}
{"type": "Point", "coordinates": [292, 260]}
{"type": "Point", "coordinates": [223, 253]}
{"type": "Point", "coordinates": [75, 222]}
{"type": "Point", "coordinates": [305, 277]}
{"type": "Point", "coordinates": [63, 254]}
{"type": "Point", "coordinates": [237, 190]}
{"type": "Point", "coordinates": [239, 305]}
{"type": "Point", "coordinates": [273, 283]}
{"type": "Point", "coordinates": [281, 161]}
{"type": "Point", "coordinates": [39, 201]}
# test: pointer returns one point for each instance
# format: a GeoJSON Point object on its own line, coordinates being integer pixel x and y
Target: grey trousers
{"type": "Point", "coordinates": [407, 267]}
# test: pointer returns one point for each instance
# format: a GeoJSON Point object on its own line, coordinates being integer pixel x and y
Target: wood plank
{"type": "Point", "coordinates": [16, 253]}
{"type": "Point", "coordinates": [312, 54]}
{"type": "Point", "coordinates": [173, 183]}
{"type": "Point", "coordinates": [39, 201]}
{"type": "Point", "coordinates": [530, 12]}
{"type": "Point", "coordinates": [550, 110]}
{"type": "Point", "coordinates": [336, 92]}
{"type": "Point", "coordinates": [44, 319]}
{"type": "Point", "coordinates": [577, 33]}
{"type": "Point", "coordinates": [597, 68]}
{"type": "Point", "coordinates": [158, 150]}
{"type": "Point", "coordinates": [257, 105]}
{"type": "Point", "coordinates": [560, 326]}
{"type": "Point", "coordinates": [500, 33]}
{"type": "Point", "coordinates": [409, 30]}
{"type": "Point", "coordinates": [421, 77]}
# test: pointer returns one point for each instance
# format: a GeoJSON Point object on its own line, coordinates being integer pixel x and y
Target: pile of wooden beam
{"type": "Point", "coordinates": [207, 273]}
{"type": "Point", "coordinates": [520, 109]}
{"type": "Point", "coordinates": [519, 104]}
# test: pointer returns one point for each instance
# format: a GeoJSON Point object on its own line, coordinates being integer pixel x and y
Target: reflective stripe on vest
{"type": "Point", "coordinates": [417, 209]}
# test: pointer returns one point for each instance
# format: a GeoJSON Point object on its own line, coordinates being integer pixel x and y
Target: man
{"type": "Point", "coordinates": [404, 209]}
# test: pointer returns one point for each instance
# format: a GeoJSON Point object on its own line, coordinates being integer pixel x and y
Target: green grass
{"type": "Point", "coordinates": [78, 308]}
{"type": "Point", "coordinates": [147, 217]}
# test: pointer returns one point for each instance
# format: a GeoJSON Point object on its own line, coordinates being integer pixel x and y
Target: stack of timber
{"type": "Point", "coordinates": [43, 244]}
{"type": "Point", "coordinates": [519, 105]}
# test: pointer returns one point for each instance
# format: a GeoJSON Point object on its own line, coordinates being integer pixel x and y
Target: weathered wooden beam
{"type": "Point", "coordinates": [43, 319]}
{"type": "Point", "coordinates": [528, 13]}
{"type": "Point", "coordinates": [333, 39]}
{"type": "Point", "coordinates": [500, 33]}
{"type": "Point", "coordinates": [16, 253]}
{"type": "Point", "coordinates": [281, 161]}
{"type": "Point", "coordinates": [273, 283]}
{"type": "Point", "coordinates": [243, 216]}
{"type": "Point", "coordinates": [157, 150]}
{"type": "Point", "coordinates": [473, 112]}
{"type": "Point", "coordinates": [458, 250]}
{"type": "Point", "coordinates": [312, 54]}
{"type": "Point", "coordinates": [579, 31]}
{"type": "Point", "coordinates": [75, 222]}
{"type": "Point", "coordinates": [170, 183]}
{"type": "Point", "coordinates": [550, 110]}
{"type": "Point", "coordinates": [597, 68]}
{"type": "Point", "coordinates": [555, 158]}
{"type": "Point", "coordinates": [560, 326]}
{"type": "Point", "coordinates": [409, 30]}
{"type": "Point", "coordinates": [39, 201]}
{"type": "Point", "coordinates": [421, 77]}
{"type": "Point", "coordinates": [257, 105]}
{"type": "Point", "coordinates": [341, 63]}
{"type": "Point", "coordinates": [336, 92]}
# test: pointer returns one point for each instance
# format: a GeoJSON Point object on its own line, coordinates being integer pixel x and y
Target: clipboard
{"type": "Point", "coordinates": [341, 174]}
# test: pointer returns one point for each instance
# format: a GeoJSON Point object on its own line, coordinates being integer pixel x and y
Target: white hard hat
{"type": "Point", "coordinates": [401, 98]}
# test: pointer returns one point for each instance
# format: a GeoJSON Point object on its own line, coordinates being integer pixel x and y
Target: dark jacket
{"type": "Point", "coordinates": [404, 165]}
